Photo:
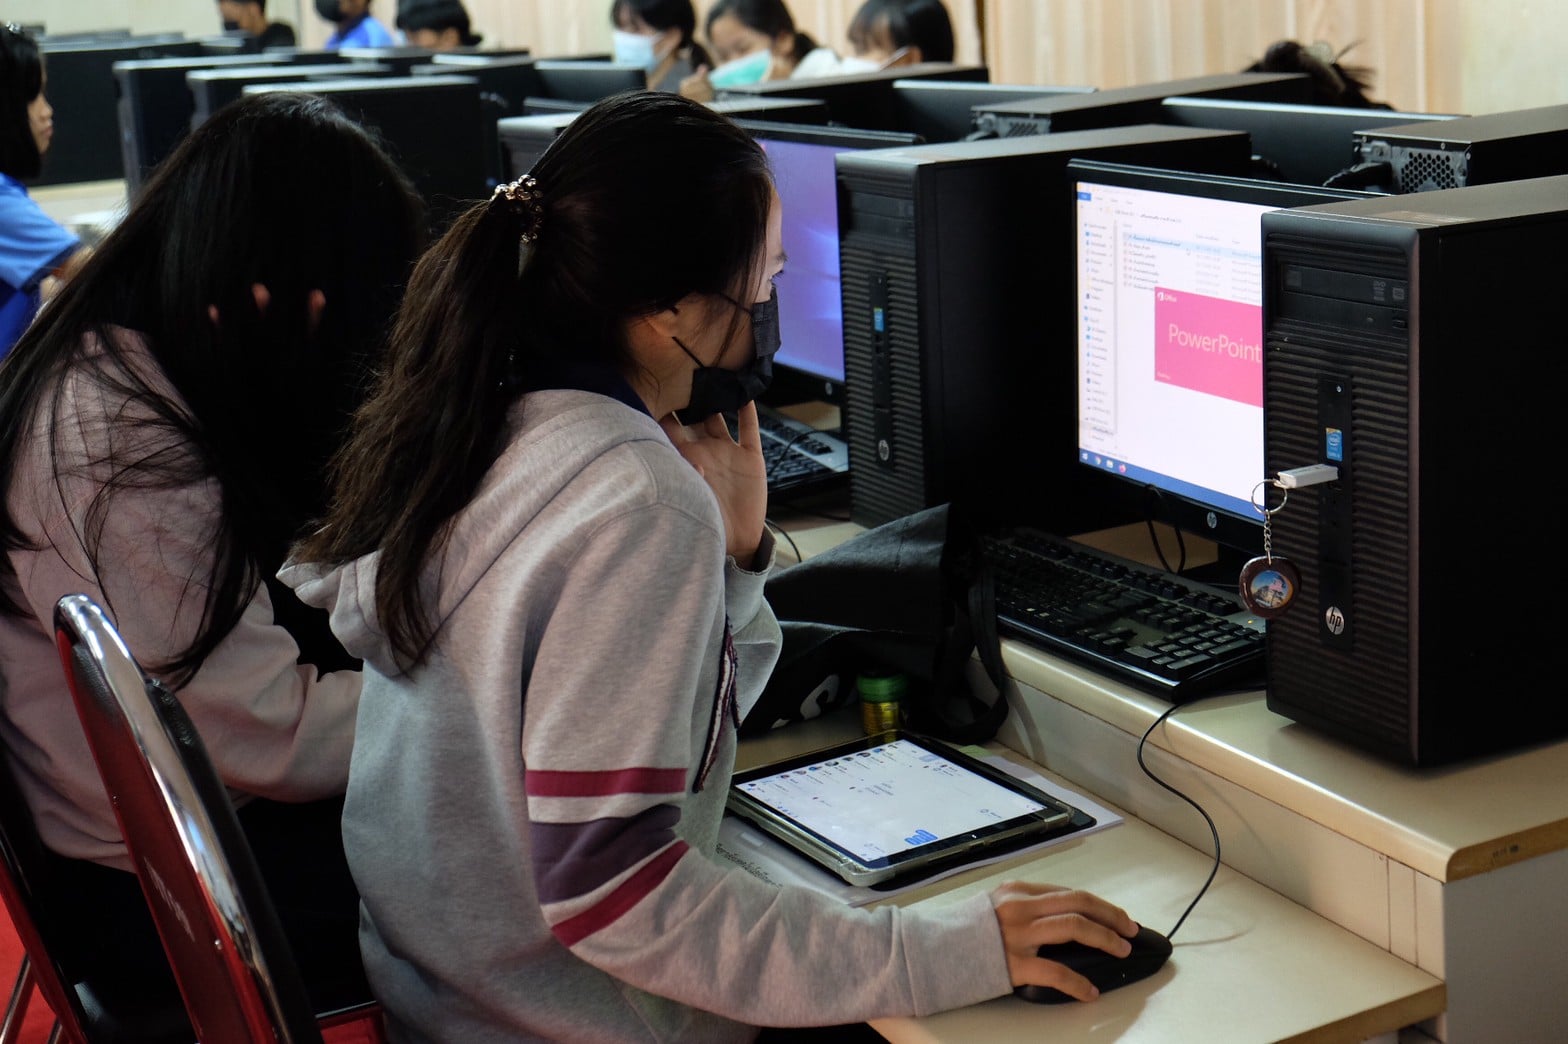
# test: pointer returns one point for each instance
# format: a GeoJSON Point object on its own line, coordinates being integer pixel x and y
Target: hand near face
{"type": "Point", "coordinates": [733, 469]}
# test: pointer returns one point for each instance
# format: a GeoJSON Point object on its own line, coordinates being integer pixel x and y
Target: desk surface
{"type": "Point", "coordinates": [1249, 965]}
{"type": "Point", "coordinates": [1448, 823]}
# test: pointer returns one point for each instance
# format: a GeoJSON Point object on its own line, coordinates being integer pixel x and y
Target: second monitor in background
{"type": "Point", "coordinates": [810, 361]}
{"type": "Point", "coordinates": [862, 100]}
{"type": "Point", "coordinates": [1305, 144]}
{"type": "Point", "coordinates": [431, 126]}
{"type": "Point", "coordinates": [943, 110]}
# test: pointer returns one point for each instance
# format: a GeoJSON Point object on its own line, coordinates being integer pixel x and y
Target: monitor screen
{"type": "Point", "coordinates": [1169, 306]}
{"type": "Point", "coordinates": [811, 318]}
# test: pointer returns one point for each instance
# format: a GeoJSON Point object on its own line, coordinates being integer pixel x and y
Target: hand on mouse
{"type": "Point", "coordinates": [1033, 915]}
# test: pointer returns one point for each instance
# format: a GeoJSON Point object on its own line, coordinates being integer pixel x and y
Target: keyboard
{"type": "Point", "coordinates": [800, 459]}
{"type": "Point", "coordinates": [1167, 634]}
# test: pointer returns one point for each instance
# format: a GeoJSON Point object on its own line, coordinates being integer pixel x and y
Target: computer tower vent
{"type": "Point", "coordinates": [888, 477]}
{"type": "Point", "coordinates": [1312, 371]}
{"type": "Point", "coordinates": [1023, 128]}
{"type": "Point", "coordinates": [1421, 170]}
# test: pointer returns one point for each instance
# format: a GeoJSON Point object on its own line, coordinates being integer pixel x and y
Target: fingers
{"type": "Point", "coordinates": [263, 297]}
{"type": "Point", "coordinates": [315, 305]}
{"type": "Point", "coordinates": [1032, 915]}
{"type": "Point", "coordinates": [747, 429]}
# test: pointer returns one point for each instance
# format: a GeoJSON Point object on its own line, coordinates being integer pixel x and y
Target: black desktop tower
{"type": "Point", "coordinates": [1471, 150]}
{"type": "Point", "coordinates": [1420, 350]}
{"type": "Point", "coordinates": [1140, 103]}
{"type": "Point", "coordinates": [959, 319]}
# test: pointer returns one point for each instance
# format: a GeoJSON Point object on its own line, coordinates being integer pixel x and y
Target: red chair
{"type": "Point", "coordinates": [234, 966]}
{"type": "Point", "coordinates": [89, 1007]}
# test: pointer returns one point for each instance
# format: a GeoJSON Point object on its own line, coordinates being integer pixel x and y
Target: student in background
{"type": "Point", "coordinates": [164, 431]}
{"type": "Point", "coordinates": [33, 248]}
{"type": "Point", "coordinates": [1332, 83]}
{"type": "Point", "coordinates": [437, 25]}
{"type": "Point", "coordinates": [753, 41]}
{"type": "Point", "coordinates": [355, 25]}
{"type": "Point", "coordinates": [250, 16]}
{"type": "Point", "coordinates": [888, 33]}
{"type": "Point", "coordinates": [550, 553]}
{"type": "Point", "coordinates": [659, 36]}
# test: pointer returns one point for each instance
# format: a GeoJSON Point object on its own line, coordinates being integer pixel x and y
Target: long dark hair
{"type": "Point", "coordinates": [920, 23]}
{"type": "Point", "coordinates": [279, 189]}
{"type": "Point", "coordinates": [21, 80]}
{"type": "Point", "coordinates": [666, 14]}
{"type": "Point", "coordinates": [765, 16]}
{"type": "Point", "coordinates": [646, 197]}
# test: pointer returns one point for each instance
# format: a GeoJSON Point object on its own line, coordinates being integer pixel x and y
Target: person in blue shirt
{"type": "Point", "coordinates": [32, 246]}
{"type": "Point", "coordinates": [356, 26]}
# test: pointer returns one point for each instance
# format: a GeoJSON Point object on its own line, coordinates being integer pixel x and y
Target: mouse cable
{"type": "Point", "coordinates": [1213, 830]}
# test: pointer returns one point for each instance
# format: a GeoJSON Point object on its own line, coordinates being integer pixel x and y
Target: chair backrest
{"type": "Point", "coordinates": [233, 964]}
{"type": "Point", "coordinates": [24, 888]}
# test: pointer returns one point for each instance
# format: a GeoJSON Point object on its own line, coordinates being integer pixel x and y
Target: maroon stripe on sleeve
{"type": "Point", "coordinates": [547, 783]}
{"type": "Point", "coordinates": [631, 892]}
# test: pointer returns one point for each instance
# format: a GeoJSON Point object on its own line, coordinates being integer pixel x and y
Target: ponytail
{"type": "Point", "coordinates": [424, 439]}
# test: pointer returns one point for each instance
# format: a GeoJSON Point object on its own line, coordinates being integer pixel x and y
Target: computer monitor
{"type": "Point", "coordinates": [507, 79]}
{"type": "Point", "coordinates": [1305, 144]}
{"type": "Point", "coordinates": [431, 126]}
{"type": "Point", "coordinates": [809, 365]}
{"type": "Point", "coordinates": [212, 89]}
{"type": "Point", "coordinates": [155, 106]}
{"type": "Point", "coordinates": [1169, 313]}
{"type": "Point", "coordinates": [588, 81]}
{"type": "Point", "coordinates": [402, 58]}
{"type": "Point", "coordinates": [83, 91]}
{"type": "Point", "coordinates": [1133, 104]}
{"type": "Point", "coordinates": [864, 100]}
{"type": "Point", "coordinates": [943, 110]}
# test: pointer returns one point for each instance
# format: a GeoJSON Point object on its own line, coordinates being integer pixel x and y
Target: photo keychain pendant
{"type": "Point", "coordinates": [1268, 583]}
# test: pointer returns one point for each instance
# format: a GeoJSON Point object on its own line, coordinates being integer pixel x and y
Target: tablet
{"type": "Point", "coordinates": [894, 805]}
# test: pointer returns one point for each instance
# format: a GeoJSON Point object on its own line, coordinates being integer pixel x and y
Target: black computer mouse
{"type": "Point", "coordinates": [1150, 950]}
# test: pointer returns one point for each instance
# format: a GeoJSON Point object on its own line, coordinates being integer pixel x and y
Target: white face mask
{"type": "Point", "coordinates": [855, 64]}
{"type": "Point", "coordinates": [636, 49]}
{"type": "Point", "coordinates": [849, 66]}
{"type": "Point", "coordinates": [748, 68]}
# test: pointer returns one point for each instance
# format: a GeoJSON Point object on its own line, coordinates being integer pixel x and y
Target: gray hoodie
{"type": "Point", "coordinates": [531, 813]}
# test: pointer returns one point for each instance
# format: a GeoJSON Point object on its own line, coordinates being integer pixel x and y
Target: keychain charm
{"type": "Point", "coordinates": [1269, 584]}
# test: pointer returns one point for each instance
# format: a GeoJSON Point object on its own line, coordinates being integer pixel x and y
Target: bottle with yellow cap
{"type": "Point", "coordinates": [881, 700]}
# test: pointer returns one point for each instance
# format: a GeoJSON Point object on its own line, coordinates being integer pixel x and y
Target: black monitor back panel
{"type": "Point", "coordinates": [155, 106]}
{"type": "Point", "coordinates": [1415, 345]}
{"type": "Point", "coordinates": [432, 126]}
{"type": "Point", "coordinates": [1471, 150]}
{"type": "Point", "coordinates": [1120, 106]}
{"type": "Point", "coordinates": [944, 110]}
{"type": "Point", "coordinates": [588, 81]}
{"type": "Point", "coordinates": [212, 89]}
{"type": "Point", "coordinates": [1303, 144]}
{"type": "Point", "coordinates": [85, 96]}
{"type": "Point", "coordinates": [523, 139]}
{"type": "Point", "coordinates": [959, 319]}
{"type": "Point", "coordinates": [863, 100]}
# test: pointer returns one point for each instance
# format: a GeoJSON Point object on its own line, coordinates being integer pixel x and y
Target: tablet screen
{"type": "Point", "coordinates": [888, 804]}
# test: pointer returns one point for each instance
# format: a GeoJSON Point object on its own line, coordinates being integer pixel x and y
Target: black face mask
{"type": "Point", "coordinates": [331, 10]}
{"type": "Point", "coordinates": [717, 390]}
{"type": "Point", "coordinates": [230, 25]}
